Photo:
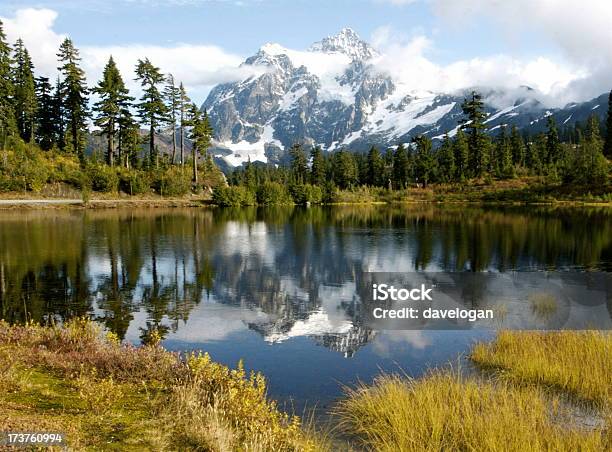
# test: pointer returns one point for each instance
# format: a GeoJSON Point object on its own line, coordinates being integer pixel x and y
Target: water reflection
{"type": "Point", "coordinates": [280, 273]}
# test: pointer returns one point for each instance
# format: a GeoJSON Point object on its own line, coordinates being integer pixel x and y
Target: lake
{"type": "Point", "coordinates": [279, 287]}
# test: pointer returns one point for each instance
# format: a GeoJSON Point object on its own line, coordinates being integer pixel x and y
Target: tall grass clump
{"type": "Point", "coordinates": [443, 411]}
{"type": "Point", "coordinates": [575, 362]}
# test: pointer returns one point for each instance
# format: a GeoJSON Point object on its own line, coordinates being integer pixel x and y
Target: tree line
{"type": "Point", "coordinates": [472, 153]}
{"type": "Point", "coordinates": [55, 114]}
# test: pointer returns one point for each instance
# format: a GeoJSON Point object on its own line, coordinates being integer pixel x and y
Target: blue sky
{"type": "Point", "coordinates": [552, 46]}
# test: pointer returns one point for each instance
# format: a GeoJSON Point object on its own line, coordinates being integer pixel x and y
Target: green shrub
{"type": "Point", "coordinates": [233, 196]}
{"type": "Point", "coordinates": [270, 193]}
{"type": "Point", "coordinates": [172, 182]}
{"type": "Point", "coordinates": [306, 193]}
{"type": "Point", "coordinates": [134, 182]}
{"type": "Point", "coordinates": [103, 178]}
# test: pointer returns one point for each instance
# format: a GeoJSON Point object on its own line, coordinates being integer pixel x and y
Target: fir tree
{"type": "Point", "coordinates": [45, 117]}
{"type": "Point", "coordinates": [299, 164]}
{"type": "Point", "coordinates": [113, 98]}
{"type": "Point", "coordinates": [608, 141]}
{"type": "Point", "coordinates": [553, 144]}
{"type": "Point", "coordinates": [401, 168]}
{"type": "Point", "coordinates": [184, 102]}
{"type": "Point", "coordinates": [201, 136]}
{"type": "Point", "coordinates": [461, 151]}
{"type": "Point", "coordinates": [503, 160]}
{"type": "Point", "coordinates": [172, 97]}
{"type": "Point", "coordinates": [318, 173]}
{"type": "Point", "coordinates": [478, 142]}
{"type": "Point", "coordinates": [424, 162]}
{"type": "Point", "coordinates": [25, 92]}
{"type": "Point", "coordinates": [446, 160]}
{"type": "Point", "coordinates": [518, 147]}
{"type": "Point", "coordinates": [7, 90]}
{"type": "Point", "coordinates": [59, 116]}
{"type": "Point", "coordinates": [375, 168]}
{"type": "Point", "coordinates": [151, 109]}
{"type": "Point", "coordinates": [74, 96]}
{"type": "Point", "coordinates": [344, 169]}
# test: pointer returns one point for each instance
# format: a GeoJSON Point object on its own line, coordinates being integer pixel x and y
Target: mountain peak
{"type": "Point", "coordinates": [348, 42]}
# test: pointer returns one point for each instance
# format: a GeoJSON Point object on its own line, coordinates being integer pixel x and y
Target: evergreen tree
{"type": "Point", "coordinates": [318, 172]}
{"type": "Point", "coordinates": [478, 142]}
{"type": "Point", "coordinates": [201, 136]}
{"type": "Point", "coordinates": [608, 141]}
{"type": "Point", "coordinates": [59, 116]}
{"type": "Point", "coordinates": [128, 133]}
{"type": "Point", "coordinates": [446, 160]}
{"type": "Point", "coordinates": [74, 96]}
{"type": "Point", "coordinates": [424, 162]}
{"type": "Point", "coordinates": [184, 102]}
{"type": "Point", "coordinates": [344, 169]}
{"type": "Point", "coordinates": [45, 117]}
{"type": "Point", "coordinates": [113, 99]}
{"type": "Point", "coordinates": [172, 96]}
{"type": "Point", "coordinates": [375, 168]}
{"type": "Point", "coordinates": [7, 90]}
{"type": "Point", "coordinates": [388, 160]}
{"type": "Point", "coordinates": [517, 146]}
{"type": "Point", "coordinates": [536, 154]}
{"type": "Point", "coordinates": [151, 109]}
{"type": "Point", "coordinates": [503, 160]}
{"type": "Point", "coordinates": [299, 164]}
{"type": "Point", "coordinates": [462, 152]}
{"type": "Point", "coordinates": [553, 144]}
{"type": "Point", "coordinates": [25, 92]}
{"type": "Point", "coordinates": [401, 168]}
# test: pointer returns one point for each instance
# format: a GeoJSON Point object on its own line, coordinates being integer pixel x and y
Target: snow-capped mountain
{"type": "Point", "coordinates": [333, 95]}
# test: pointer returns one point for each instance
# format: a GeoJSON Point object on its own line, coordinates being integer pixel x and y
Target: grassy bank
{"type": "Point", "coordinates": [77, 380]}
{"type": "Point", "coordinates": [510, 407]}
{"type": "Point", "coordinates": [103, 395]}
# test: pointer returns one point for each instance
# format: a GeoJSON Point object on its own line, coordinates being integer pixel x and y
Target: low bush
{"type": "Point", "coordinates": [306, 193]}
{"type": "Point", "coordinates": [134, 182]}
{"type": "Point", "coordinates": [172, 182]}
{"type": "Point", "coordinates": [272, 193]}
{"type": "Point", "coordinates": [233, 196]}
{"type": "Point", "coordinates": [103, 178]}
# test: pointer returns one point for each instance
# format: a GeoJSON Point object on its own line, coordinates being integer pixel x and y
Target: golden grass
{"type": "Point", "coordinates": [442, 411]}
{"type": "Point", "coordinates": [578, 363]}
{"type": "Point", "coordinates": [106, 396]}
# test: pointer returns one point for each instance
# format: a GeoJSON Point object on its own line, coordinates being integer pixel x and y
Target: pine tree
{"type": "Point", "coordinates": [299, 164]}
{"type": "Point", "coordinates": [318, 173]}
{"type": "Point", "coordinates": [59, 116]}
{"type": "Point", "coordinates": [503, 160]}
{"type": "Point", "coordinates": [478, 142]}
{"type": "Point", "coordinates": [128, 134]}
{"type": "Point", "coordinates": [25, 92]}
{"type": "Point", "coordinates": [45, 117]}
{"type": "Point", "coordinates": [172, 97]}
{"type": "Point", "coordinates": [7, 90]}
{"type": "Point", "coordinates": [344, 169]}
{"type": "Point", "coordinates": [401, 168]}
{"type": "Point", "coordinates": [74, 96]}
{"type": "Point", "coordinates": [201, 136]}
{"type": "Point", "coordinates": [462, 152]}
{"type": "Point", "coordinates": [151, 109]}
{"type": "Point", "coordinates": [375, 168]}
{"type": "Point", "coordinates": [184, 102]}
{"type": "Point", "coordinates": [608, 141]}
{"type": "Point", "coordinates": [446, 160]}
{"type": "Point", "coordinates": [553, 144]}
{"type": "Point", "coordinates": [424, 162]}
{"type": "Point", "coordinates": [113, 98]}
{"type": "Point", "coordinates": [518, 147]}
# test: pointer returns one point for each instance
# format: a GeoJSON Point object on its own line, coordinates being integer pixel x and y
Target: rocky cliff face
{"type": "Point", "coordinates": [333, 96]}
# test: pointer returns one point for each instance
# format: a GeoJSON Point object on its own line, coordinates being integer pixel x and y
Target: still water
{"type": "Point", "coordinates": [277, 287]}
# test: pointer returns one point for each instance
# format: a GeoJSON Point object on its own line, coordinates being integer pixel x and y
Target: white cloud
{"type": "Point", "coordinates": [199, 66]}
{"type": "Point", "coordinates": [405, 59]}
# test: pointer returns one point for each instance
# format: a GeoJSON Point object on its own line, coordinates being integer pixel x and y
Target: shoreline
{"type": "Point", "coordinates": [109, 203]}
